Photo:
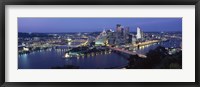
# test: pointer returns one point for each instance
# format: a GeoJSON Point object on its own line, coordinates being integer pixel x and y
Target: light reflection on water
{"type": "Point", "coordinates": [24, 60]}
{"type": "Point", "coordinates": [45, 59]}
{"type": "Point", "coordinates": [53, 58]}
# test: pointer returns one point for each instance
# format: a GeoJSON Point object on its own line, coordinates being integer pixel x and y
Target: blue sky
{"type": "Point", "coordinates": [57, 25]}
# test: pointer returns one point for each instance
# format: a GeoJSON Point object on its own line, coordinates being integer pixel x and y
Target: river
{"type": "Point", "coordinates": [46, 59]}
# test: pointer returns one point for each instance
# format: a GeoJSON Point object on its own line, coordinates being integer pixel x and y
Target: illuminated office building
{"type": "Point", "coordinates": [139, 33]}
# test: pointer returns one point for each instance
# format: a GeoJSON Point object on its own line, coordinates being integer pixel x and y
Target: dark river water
{"type": "Point", "coordinates": [46, 59]}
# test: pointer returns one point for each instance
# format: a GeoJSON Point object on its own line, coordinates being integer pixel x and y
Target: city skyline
{"type": "Point", "coordinates": [100, 47]}
{"type": "Point", "coordinates": [60, 25]}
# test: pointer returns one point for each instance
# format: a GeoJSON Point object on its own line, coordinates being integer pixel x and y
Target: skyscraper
{"type": "Point", "coordinates": [126, 32]}
{"type": "Point", "coordinates": [139, 33]}
{"type": "Point", "coordinates": [118, 32]}
{"type": "Point", "coordinates": [131, 39]}
{"type": "Point", "coordinates": [118, 28]}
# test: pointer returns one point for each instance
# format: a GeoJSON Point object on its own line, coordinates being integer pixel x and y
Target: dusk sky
{"type": "Point", "coordinates": [58, 25]}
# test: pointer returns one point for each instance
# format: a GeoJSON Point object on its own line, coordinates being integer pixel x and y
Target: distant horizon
{"type": "Point", "coordinates": [65, 25]}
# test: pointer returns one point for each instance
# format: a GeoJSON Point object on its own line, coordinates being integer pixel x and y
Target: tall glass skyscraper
{"type": "Point", "coordinates": [139, 33]}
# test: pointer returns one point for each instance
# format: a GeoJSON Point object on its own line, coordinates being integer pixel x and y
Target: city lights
{"type": "Point", "coordinates": [119, 46]}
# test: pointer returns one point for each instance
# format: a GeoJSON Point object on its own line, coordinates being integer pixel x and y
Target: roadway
{"type": "Point", "coordinates": [128, 52]}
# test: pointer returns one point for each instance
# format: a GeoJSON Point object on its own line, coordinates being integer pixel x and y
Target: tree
{"type": "Point", "coordinates": [154, 57]}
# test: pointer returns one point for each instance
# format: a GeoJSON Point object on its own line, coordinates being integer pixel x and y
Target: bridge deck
{"type": "Point", "coordinates": [128, 52]}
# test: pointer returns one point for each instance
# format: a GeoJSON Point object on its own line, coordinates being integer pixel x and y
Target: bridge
{"type": "Point", "coordinates": [176, 37]}
{"type": "Point", "coordinates": [128, 52]}
{"type": "Point", "coordinates": [136, 45]}
{"type": "Point", "coordinates": [82, 43]}
{"type": "Point", "coordinates": [146, 43]}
